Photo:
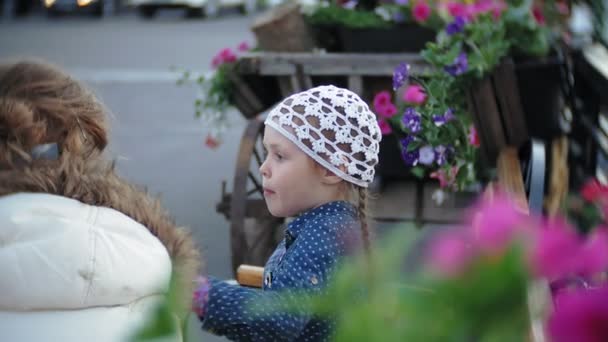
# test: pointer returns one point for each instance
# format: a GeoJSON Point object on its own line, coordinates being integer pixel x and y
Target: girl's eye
{"type": "Point", "coordinates": [278, 156]}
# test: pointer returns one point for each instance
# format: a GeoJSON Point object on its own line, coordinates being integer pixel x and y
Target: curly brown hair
{"type": "Point", "coordinates": [41, 104]}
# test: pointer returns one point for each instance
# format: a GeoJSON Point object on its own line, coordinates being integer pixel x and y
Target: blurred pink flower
{"type": "Point", "coordinates": [421, 11]}
{"type": "Point", "coordinates": [539, 17]}
{"type": "Point", "coordinates": [212, 142]}
{"type": "Point", "coordinates": [381, 100]}
{"type": "Point", "coordinates": [414, 94]}
{"type": "Point", "coordinates": [457, 9]}
{"type": "Point", "coordinates": [388, 111]}
{"type": "Point", "coordinates": [581, 316]}
{"type": "Point", "coordinates": [450, 253]}
{"type": "Point", "coordinates": [243, 47]}
{"type": "Point", "coordinates": [594, 190]}
{"type": "Point", "coordinates": [473, 137]}
{"type": "Point", "coordinates": [446, 179]}
{"type": "Point", "coordinates": [556, 250]}
{"type": "Point", "coordinates": [216, 61]}
{"type": "Point", "coordinates": [562, 8]}
{"type": "Point", "coordinates": [496, 224]}
{"type": "Point", "coordinates": [227, 55]}
{"type": "Point", "coordinates": [224, 56]}
{"type": "Point", "coordinates": [385, 128]}
{"type": "Point", "coordinates": [486, 6]}
{"type": "Point", "coordinates": [593, 257]}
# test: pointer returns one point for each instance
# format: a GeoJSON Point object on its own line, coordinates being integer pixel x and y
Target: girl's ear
{"type": "Point", "coordinates": [330, 178]}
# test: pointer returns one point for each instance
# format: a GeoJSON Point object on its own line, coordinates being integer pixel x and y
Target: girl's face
{"type": "Point", "coordinates": [292, 181]}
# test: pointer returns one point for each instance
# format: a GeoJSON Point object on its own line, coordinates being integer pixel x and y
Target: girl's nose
{"type": "Point", "coordinates": [264, 169]}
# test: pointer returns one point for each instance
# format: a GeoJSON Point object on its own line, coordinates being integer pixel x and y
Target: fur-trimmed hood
{"type": "Point", "coordinates": [94, 181]}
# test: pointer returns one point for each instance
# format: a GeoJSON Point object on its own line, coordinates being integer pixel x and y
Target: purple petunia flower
{"type": "Point", "coordinates": [400, 75]}
{"type": "Point", "coordinates": [398, 17]}
{"type": "Point", "coordinates": [459, 66]}
{"type": "Point", "coordinates": [426, 155]}
{"type": "Point", "coordinates": [449, 115]}
{"type": "Point", "coordinates": [410, 158]}
{"type": "Point", "coordinates": [402, 2]}
{"type": "Point", "coordinates": [440, 120]}
{"type": "Point", "coordinates": [456, 26]}
{"type": "Point", "coordinates": [441, 153]}
{"type": "Point", "coordinates": [405, 142]}
{"type": "Point", "coordinates": [411, 120]}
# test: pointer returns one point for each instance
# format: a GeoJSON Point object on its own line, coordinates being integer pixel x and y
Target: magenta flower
{"type": "Point", "coordinates": [446, 179]}
{"type": "Point", "coordinates": [555, 250]}
{"type": "Point", "coordinates": [593, 190]}
{"type": "Point", "coordinates": [580, 316]}
{"type": "Point", "coordinates": [381, 100]}
{"type": "Point", "coordinates": [456, 9]}
{"type": "Point", "coordinates": [388, 111]}
{"type": "Point", "coordinates": [473, 137]}
{"type": "Point", "coordinates": [421, 11]}
{"type": "Point", "coordinates": [385, 128]}
{"type": "Point", "coordinates": [226, 55]}
{"type": "Point", "coordinates": [497, 224]}
{"type": "Point", "coordinates": [243, 47]}
{"type": "Point", "coordinates": [593, 257]}
{"type": "Point", "coordinates": [414, 94]}
{"type": "Point", "coordinates": [538, 15]}
{"type": "Point", "coordinates": [450, 253]}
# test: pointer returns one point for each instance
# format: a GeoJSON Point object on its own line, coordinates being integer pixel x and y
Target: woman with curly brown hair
{"type": "Point", "coordinates": [84, 255]}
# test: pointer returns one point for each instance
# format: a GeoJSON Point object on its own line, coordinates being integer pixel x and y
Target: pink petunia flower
{"type": "Point", "coordinates": [593, 257]}
{"type": "Point", "coordinates": [539, 17]}
{"type": "Point", "coordinates": [388, 111]}
{"type": "Point", "coordinates": [227, 55]}
{"type": "Point", "coordinates": [473, 137]}
{"type": "Point", "coordinates": [216, 61]}
{"type": "Point", "coordinates": [450, 253]}
{"type": "Point", "coordinates": [555, 250]}
{"type": "Point", "coordinates": [498, 223]}
{"type": "Point", "coordinates": [385, 128]}
{"type": "Point", "coordinates": [446, 179]}
{"type": "Point", "coordinates": [421, 11]}
{"type": "Point", "coordinates": [414, 94]}
{"type": "Point", "coordinates": [457, 9]}
{"type": "Point", "coordinates": [580, 315]}
{"type": "Point", "coordinates": [593, 190]}
{"type": "Point", "coordinates": [381, 100]}
{"type": "Point", "coordinates": [212, 142]}
{"type": "Point", "coordinates": [243, 47]}
{"type": "Point", "coordinates": [496, 7]}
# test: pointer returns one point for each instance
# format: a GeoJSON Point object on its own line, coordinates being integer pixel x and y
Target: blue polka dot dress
{"type": "Point", "coordinates": [303, 262]}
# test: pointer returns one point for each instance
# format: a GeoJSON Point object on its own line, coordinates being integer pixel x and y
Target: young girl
{"type": "Point", "coordinates": [322, 148]}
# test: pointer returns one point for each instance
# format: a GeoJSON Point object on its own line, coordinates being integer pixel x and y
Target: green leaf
{"type": "Point", "coordinates": [418, 171]}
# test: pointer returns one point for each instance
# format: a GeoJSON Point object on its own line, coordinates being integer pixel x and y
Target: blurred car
{"type": "Point", "coordinates": [209, 8]}
{"type": "Point", "coordinates": [94, 7]}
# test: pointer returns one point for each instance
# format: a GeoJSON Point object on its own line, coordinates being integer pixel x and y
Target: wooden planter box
{"type": "Point", "coordinates": [399, 38]}
{"type": "Point", "coordinates": [519, 100]}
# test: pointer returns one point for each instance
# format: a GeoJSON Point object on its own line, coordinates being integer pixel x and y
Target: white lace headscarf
{"type": "Point", "coordinates": [335, 127]}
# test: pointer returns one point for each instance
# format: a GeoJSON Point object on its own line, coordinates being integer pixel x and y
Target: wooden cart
{"type": "Point", "coordinates": [254, 233]}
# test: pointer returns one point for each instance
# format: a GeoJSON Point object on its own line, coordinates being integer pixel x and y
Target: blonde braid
{"type": "Point", "coordinates": [363, 214]}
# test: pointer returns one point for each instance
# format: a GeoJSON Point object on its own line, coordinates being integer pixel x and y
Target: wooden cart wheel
{"type": "Point", "coordinates": [253, 231]}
